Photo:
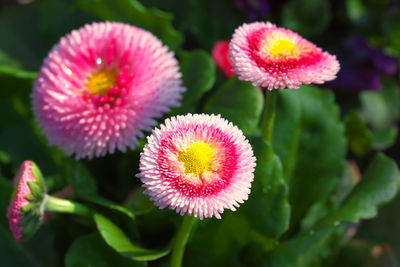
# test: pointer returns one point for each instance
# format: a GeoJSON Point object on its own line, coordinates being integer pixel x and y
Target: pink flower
{"type": "Point", "coordinates": [102, 86]}
{"type": "Point", "coordinates": [276, 58]}
{"type": "Point", "coordinates": [199, 164]}
{"type": "Point", "coordinates": [18, 210]}
{"type": "Point", "coordinates": [220, 56]}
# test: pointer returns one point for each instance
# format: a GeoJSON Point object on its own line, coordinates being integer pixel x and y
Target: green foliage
{"type": "Point", "coordinates": [117, 239]}
{"type": "Point", "coordinates": [81, 180]}
{"type": "Point", "coordinates": [154, 20]}
{"type": "Point", "coordinates": [303, 250]}
{"type": "Point", "coordinates": [16, 120]}
{"type": "Point", "coordinates": [382, 111]}
{"type": "Point", "coordinates": [358, 135]}
{"type": "Point", "coordinates": [390, 26]}
{"type": "Point", "coordinates": [91, 250]}
{"type": "Point", "coordinates": [202, 19]}
{"type": "Point", "coordinates": [366, 254]}
{"type": "Point", "coordinates": [198, 73]}
{"type": "Point", "coordinates": [85, 188]}
{"type": "Point", "coordinates": [304, 199]}
{"type": "Point", "coordinates": [268, 201]}
{"type": "Point", "coordinates": [377, 187]}
{"type": "Point", "coordinates": [239, 102]}
{"type": "Point", "coordinates": [307, 17]}
{"type": "Point", "coordinates": [309, 139]}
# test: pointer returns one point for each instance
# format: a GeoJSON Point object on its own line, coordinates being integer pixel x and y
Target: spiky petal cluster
{"type": "Point", "coordinates": [25, 210]}
{"type": "Point", "coordinates": [197, 164]}
{"type": "Point", "coordinates": [102, 85]}
{"type": "Point", "coordinates": [277, 58]}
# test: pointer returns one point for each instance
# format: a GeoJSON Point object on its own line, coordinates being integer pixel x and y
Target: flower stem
{"type": "Point", "coordinates": [180, 240]}
{"type": "Point", "coordinates": [269, 114]}
{"type": "Point", "coordinates": [54, 204]}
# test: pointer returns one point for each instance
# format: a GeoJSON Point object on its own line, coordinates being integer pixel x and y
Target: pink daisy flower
{"type": "Point", "coordinates": [277, 58]}
{"type": "Point", "coordinates": [101, 86]}
{"type": "Point", "coordinates": [199, 164]}
{"type": "Point", "coordinates": [220, 56]}
{"type": "Point", "coordinates": [25, 210]}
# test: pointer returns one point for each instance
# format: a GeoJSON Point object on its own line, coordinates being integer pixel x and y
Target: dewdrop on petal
{"type": "Point", "coordinates": [25, 212]}
{"type": "Point", "coordinates": [277, 58]}
{"type": "Point", "coordinates": [102, 86]}
{"type": "Point", "coordinates": [197, 164]}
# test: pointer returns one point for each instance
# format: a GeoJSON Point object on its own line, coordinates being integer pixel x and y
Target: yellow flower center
{"type": "Point", "coordinates": [197, 158]}
{"type": "Point", "coordinates": [101, 82]}
{"type": "Point", "coordinates": [282, 48]}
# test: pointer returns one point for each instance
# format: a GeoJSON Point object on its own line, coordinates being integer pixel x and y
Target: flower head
{"type": "Point", "coordinates": [199, 164]}
{"type": "Point", "coordinates": [25, 212]}
{"type": "Point", "coordinates": [278, 58]}
{"type": "Point", "coordinates": [101, 86]}
{"type": "Point", "coordinates": [220, 56]}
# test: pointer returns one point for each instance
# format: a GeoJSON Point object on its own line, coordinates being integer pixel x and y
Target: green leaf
{"type": "Point", "coordinates": [356, 10]}
{"type": "Point", "coordinates": [91, 250]}
{"type": "Point", "coordinates": [154, 20]}
{"type": "Point", "coordinates": [198, 70]}
{"type": "Point", "coordinates": [358, 134]}
{"type": "Point", "coordinates": [17, 73]}
{"type": "Point", "coordinates": [307, 17]}
{"type": "Point", "coordinates": [138, 202]}
{"type": "Point", "coordinates": [303, 250]}
{"type": "Point", "coordinates": [391, 31]}
{"type": "Point", "coordinates": [228, 242]}
{"type": "Point", "coordinates": [82, 181]}
{"type": "Point", "coordinates": [319, 210]}
{"type": "Point", "coordinates": [85, 188]}
{"type": "Point", "coordinates": [109, 204]}
{"type": "Point", "coordinates": [350, 177]}
{"type": "Point", "coordinates": [238, 102]}
{"type": "Point", "coordinates": [382, 109]}
{"type": "Point", "coordinates": [384, 138]}
{"type": "Point", "coordinates": [377, 187]}
{"type": "Point", "coordinates": [268, 201]}
{"type": "Point", "coordinates": [117, 239]}
{"type": "Point", "coordinates": [382, 228]}
{"type": "Point", "coordinates": [201, 22]}
{"type": "Point", "coordinates": [309, 139]}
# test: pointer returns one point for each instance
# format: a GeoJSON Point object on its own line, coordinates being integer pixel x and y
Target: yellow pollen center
{"type": "Point", "coordinates": [101, 82]}
{"type": "Point", "coordinates": [282, 48]}
{"type": "Point", "coordinates": [197, 158]}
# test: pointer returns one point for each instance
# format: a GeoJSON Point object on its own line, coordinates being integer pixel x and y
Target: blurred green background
{"type": "Point", "coordinates": [365, 36]}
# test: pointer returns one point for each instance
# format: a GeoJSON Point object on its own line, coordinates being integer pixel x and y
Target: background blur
{"type": "Point", "coordinates": [364, 34]}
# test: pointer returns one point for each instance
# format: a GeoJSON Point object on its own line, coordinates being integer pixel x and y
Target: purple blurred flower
{"type": "Point", "coordinates": [357, 79]}
{"type": "Point", "coordinates": [382, 62]}
{"type": "Point", "coordinates": [367, 66]}
{"type": "Point", "coordinates": [254, 9]}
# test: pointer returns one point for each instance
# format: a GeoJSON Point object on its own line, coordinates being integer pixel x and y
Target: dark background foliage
{"type": "Point", "coordinates": [308, 207]}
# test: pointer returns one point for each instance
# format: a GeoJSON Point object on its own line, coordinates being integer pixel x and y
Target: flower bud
{"type": "Point", "coordinates": [25, 212]}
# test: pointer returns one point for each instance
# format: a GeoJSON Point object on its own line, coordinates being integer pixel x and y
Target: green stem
{"type": "Point", "coordinates": [54, 204]}
{"type": "Point", "coordinates": [180, 240]}
{"type": "Point", "coordinates": [269, 115]}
